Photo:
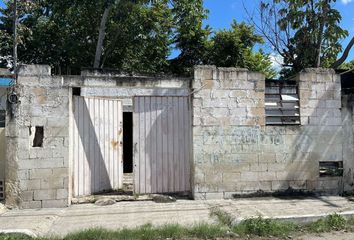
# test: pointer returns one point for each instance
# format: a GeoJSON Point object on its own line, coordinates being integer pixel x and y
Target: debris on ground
{"type": "Point", "coordinates": [105, 202]}
{"type": "Point", "coordinates": [163, 198]}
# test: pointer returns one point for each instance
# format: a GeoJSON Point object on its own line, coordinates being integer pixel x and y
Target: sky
{"type": "Point", "coordinates": [222, 13]}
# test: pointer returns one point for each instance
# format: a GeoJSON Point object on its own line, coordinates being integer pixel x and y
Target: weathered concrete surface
{"type": "Point", "coordinates": [40, 176]}
{"type": "Point", "coordinates": [59, 222]}
{"type": "Point", "coordinates": [235, 152]}
{"type": "Point", "coordinates": [2, 208]}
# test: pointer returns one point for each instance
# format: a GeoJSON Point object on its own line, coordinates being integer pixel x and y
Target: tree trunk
{"type": "Point", "coordinates": [342, 59]}
{"type": "Point", "coordinates": [101, 35]}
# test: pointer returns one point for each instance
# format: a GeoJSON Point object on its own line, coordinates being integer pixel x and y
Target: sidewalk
{"type": "Point", "coordinates": [59, 222]}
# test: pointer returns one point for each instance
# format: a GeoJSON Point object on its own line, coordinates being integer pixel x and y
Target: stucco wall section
{"type": "Point", "coordinates": [236, 153]}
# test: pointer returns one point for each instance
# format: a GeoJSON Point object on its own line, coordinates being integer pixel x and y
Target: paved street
{"type": "Point", "coordinates": [59, 222]}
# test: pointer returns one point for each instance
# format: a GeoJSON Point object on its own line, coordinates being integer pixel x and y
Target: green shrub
{"type": "Point", "coordinates": [14, 236]}
{"type": "Point", "coordinates": [223, 217]}
{"type": "Point", "coordinates": [264, 227]}
{"type": "Point", "coordinates": [332, 222]}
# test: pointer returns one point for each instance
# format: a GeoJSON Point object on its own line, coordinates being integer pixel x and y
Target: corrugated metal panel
{"type": "Point", "coordinates": [162, 144]}
{"type": "Point", "coordinates": [97, 148]}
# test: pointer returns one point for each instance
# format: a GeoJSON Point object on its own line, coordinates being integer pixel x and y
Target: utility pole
{"type": "Point", "coordinates": [15, 37]}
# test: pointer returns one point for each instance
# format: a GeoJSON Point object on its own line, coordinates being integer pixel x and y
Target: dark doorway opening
{"type": "Point", "coordinates": [127, 142]}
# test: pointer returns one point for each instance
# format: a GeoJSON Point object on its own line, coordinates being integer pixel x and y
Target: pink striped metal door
{"type": "Point", "coordinates": [97, 136]}
{"type": "Point", "coordinates": [162, 144]}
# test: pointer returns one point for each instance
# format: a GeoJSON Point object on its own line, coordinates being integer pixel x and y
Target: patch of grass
{"type": "Point", "coordinates": [223, 217]}
{"type": "Point", "coordinates": [147, 232]}
{"type": "Point", "coordinates": [206, 231]}
{"type": "Point", "coordinates": [332, 222]}
{"type": "Point", "coordinates": [254, 226]}
{"type": "Point", "coordinates": [14, 236]}
{"type": "Point", "coordinates": [264, 227]}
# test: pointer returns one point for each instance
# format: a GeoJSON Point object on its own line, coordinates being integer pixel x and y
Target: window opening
{"type": "Point", "coordinates": [282, 105]}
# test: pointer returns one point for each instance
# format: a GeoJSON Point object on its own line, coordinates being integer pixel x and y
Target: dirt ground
{"type": "Point", "coordinates": [328, 236]}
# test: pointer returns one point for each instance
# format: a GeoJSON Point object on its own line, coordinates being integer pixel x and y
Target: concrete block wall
{"type": "Point", "coordinates": [236, 153]}
{"type": "Point", "coordinates": [37, 177]}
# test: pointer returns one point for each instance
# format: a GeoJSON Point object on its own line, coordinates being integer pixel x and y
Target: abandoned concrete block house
{"type": "Point", "coordinates": [223, 133]}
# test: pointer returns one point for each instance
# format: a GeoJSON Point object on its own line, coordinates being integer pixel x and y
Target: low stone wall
{"type": "Point", "coordinates": [236, 153]}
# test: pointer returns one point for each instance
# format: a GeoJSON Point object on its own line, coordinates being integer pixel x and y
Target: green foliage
{"type": "Point", "coordinates": [140, 35]}
{"type": "Point", "coordinates": [332, 222]}
{"type": "Point", "coordinates": [234, 48]}
{"type": "Point", "coordinates": [307, 32]}
{"type": "Point", "coordinates": [223, 217]}
{"type": "Point", "coordinates": [14, 237]}
{"type": "Point", "coordinates": [347, 66]}
{"type": "Point", "coordinates": [254, 226]}
{"type": "Point", "coordinates": [190, 37]}
{"type": "Point", "coordinates": [147, 232]}
{"type": "Point", "coordinates": [64, 34]}
{"type": "Point", "coordinates": [264, 227]}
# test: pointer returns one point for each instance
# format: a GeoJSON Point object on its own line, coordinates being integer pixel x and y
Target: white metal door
{"type": "Point", "coordinates": [162, 144]}
{"type": "Point", "coordinates": [97, 137]}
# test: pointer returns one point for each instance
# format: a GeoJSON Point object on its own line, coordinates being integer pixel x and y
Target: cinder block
{"type": "Point", "coordinates": [62, 194]}
{"type": "Point", "coordinates": [54, 203]}
{"type": "Point", "coordinates": [48, 194]}
{"type": "Point", "coordinates": [60, 172]}
{"type": "Point", "coordinates": [280, 185]}
{"type": "Point", "coordinates": [301, 184]}
{"type": "Point", "coordinates": [267, 176]}
{"type": "Point", "coordinates": [57, 122]}
{"type": "Point", "coordinates": [326, 184]}
{"type": "Point", "coordinates": [199, 196]}
{"type": "Point", "coordinates": [26, 196]}
{"type": "Point", "coordinates": [31, 205]}
{"type": "Point", "coordinates": [249, 176]}
{"type": "Point", "coordinates": [41, 173]}
{"type": "Point", "coordinates": [30, 184]}
{"type": "Point", "coordinates": [214, 196]}
{"type": "Point", "coordinates": [333, 104]}
{"type": "Point", "coordinates": [52, 183]}
{"type": "Point", "coordinates": [23, 174]}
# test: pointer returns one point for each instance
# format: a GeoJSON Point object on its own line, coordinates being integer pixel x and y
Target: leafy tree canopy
{"type": "Point", "coordinates": [234, 48]}
{"type": "Point", "coordinates": [139, 36]}
{"type": "Point", "coordinates": [306, 33]}
{"type": "Point", "coordinates": [348, 66]}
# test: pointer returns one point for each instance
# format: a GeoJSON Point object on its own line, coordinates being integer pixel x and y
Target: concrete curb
{"type": "Point", "coordinates": [303, 219]}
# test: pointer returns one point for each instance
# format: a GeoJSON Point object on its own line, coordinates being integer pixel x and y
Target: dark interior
{"type": "Point", "coordinates": [127, 142]}
{"type": "Point", "coordinates": [38, 137]}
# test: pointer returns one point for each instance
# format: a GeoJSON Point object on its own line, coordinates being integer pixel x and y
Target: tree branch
{"type": "Point", "coordinates": [344, 56]}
